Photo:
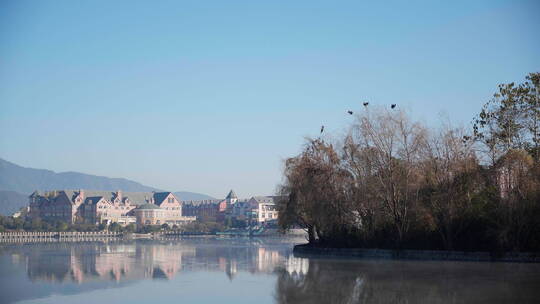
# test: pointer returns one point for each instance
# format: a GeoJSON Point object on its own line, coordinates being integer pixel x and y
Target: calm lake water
{"type": "Point", "coordinates": [213, 270]}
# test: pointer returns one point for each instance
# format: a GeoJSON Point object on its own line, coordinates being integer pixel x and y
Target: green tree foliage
{"type": "Point", "coordinates": [198, 227]}
{"type": "Point", "coordinates": [61, 226]}
{"type": "Point", "coordinates": [149, 229]}
{"type": "Point", "coordinates": [115, 227]}
{"type": "Point", "coordinates": [511, 120]}
{"type": "Point", "coordinates": [130, 228]}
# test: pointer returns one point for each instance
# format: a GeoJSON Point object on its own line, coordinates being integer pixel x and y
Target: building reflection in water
{"type": "Point", "coordinates": [89, 262]}
{"type": "Point", "coordinates": [81, 263]}
{"type": "Point", "coordinates": [297, 280]}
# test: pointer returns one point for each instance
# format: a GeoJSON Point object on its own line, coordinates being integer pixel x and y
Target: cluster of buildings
{"type": "Point", "coordinates": [96, 207]}
{"type": "Point", "coordinates": [146, 208]}
{"type": "Point", "coordinates": [256, 210]}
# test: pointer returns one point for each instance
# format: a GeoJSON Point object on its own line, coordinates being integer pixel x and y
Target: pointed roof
{"type": "Point", "coordinates": [263, 199]}
{"type": "Point", "coordinates": [231, 195]}
{"type": "Point", "coordinates": [159, 197]}
{"type": "Point", "coordinates": [93, 200]}
{"type": "Point", "coordinates": [135, 198]}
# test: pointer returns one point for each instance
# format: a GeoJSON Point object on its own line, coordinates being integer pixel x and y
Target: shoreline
{"type": "Point", "coordinates": [20, 237]}
{"type": "Point", "coordinates": [306, 251]}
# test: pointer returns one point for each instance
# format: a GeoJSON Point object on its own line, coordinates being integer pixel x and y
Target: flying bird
{"type": "Point", "coordinates": [365, 104]}
{"type": "Point", "coordinates": [393, 105]}
{"type": "Point", "coordinates": [322, 129]}
{"type": "Point", "coordinates": [350, 112]}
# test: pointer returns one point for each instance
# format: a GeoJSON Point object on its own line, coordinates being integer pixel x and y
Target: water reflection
{"type": "Point", "coordinates": [80, 263]}
{"type": "Point", "coordinates": [86, 262]}
{"type": "Point", "coordinates": [266, 270]}
{"type": "Point", "coordinates": [384, 281]}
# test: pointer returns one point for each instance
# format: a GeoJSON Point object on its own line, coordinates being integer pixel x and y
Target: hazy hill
{"type": "Point", "coordinates": [23, 181]}
{"type": "Point", "coordinates": [192, 196]}
{"type": "Point", "coordinates": [11, 201]}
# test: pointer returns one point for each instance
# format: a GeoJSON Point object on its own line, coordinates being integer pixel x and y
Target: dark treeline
{"type": "Point", "coordinates": [393, 183]}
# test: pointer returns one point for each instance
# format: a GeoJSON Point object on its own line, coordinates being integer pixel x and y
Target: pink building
{"type": "Point", "coordinates": [85, 206]}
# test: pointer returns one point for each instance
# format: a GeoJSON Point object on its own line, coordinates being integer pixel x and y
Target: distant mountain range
{"type": "Point", "coordinates": [11, 201]}
{"type": "Point", "coordinates": [17, 182]}
{"type": "Point", "coordinates": [192, 196]}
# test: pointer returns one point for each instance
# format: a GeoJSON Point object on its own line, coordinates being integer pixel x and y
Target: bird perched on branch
{"type": "Point", "coordinates": [393, 105]}
{"type": "Point", "coordinates": [350, 112]}
{"type": "Point", "coordinates": [322, 129]}
{"type": "Point", "coordinates": [365, 104]}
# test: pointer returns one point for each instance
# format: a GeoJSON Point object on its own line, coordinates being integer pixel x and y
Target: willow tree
{"type": "Point", "coordinates": [314, 193]}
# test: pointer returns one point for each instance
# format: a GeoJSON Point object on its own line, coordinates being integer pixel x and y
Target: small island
{"type": "Point", "coordinates": [392, 187]}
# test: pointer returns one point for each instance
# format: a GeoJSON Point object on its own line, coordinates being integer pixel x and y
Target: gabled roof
{"type": "Point", "coordinates": [263, 199]}
{"type": "Point", "coordinates": [135, 198]}
{"type": "Point", "coordinates": [93, 200]}
{"type": "Point", "coordinates": [231, 195]}
{"type": "Point", "coordinates": [159, 197]}
{"type": "Point", "coordinates": [68, 194]}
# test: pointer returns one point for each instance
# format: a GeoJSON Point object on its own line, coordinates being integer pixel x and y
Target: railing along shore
{"type": "Point", "coordinates": [39, 236]}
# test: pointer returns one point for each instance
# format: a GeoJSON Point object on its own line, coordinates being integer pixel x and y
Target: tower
{"type": "Point", "coordinates": [231, 198]}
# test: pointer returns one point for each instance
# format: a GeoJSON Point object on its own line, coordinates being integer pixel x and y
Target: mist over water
{"type": "Point", "coordinates": [214, 270]}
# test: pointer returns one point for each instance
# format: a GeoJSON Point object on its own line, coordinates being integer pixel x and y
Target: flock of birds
{"type": "Point", "coordinates": [465, 138]}
{"type": "Point", "coordinates": [392, 106]}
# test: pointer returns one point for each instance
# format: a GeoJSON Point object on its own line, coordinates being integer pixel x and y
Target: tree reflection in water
{"type": "Point", "coordinates": [67, 268]}
{"type": "Point", "coordinates": [384, 281]}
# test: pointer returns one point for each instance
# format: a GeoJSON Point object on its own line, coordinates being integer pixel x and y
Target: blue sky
{"type": "Point", "coordinates": [206, 96]}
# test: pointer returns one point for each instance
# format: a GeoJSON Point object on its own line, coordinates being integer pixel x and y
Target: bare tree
{"type": "Point", "coordinates": [396, 144]}
{"type": "Point", "coordinates": [519, 190]}
{"type": "Point", "coordinates": [365, 204]}
{"type": "Point", "coordinates": [391, 178]}
{"type": "Point", "coordinates": [450, 173]}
